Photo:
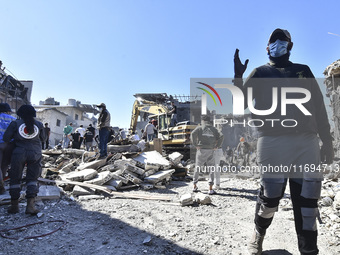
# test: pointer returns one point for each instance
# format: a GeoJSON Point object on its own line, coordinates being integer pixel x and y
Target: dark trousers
{"type": "Point", "coordinates": [304, 222]}
{"type": "Point", "coordinates": [103, 139]}
{"type": "Point", "coordinates": [20, 157]}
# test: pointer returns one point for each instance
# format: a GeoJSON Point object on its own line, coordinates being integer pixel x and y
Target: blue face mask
{"type": "Point", "coordinates": [278, 48]}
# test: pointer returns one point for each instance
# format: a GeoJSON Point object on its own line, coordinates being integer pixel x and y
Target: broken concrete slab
{"type": "Point", "coordinates": [100, 178]}
{"type": "Point", "coordinates": [175, 158]}
{"type": "Point", "coordinates": [93, 164]}
{"type": "Point", "coordinates": [70, 166]}
{"type": "Point", "coordinates": [48, 192]}
{"type": "Point", "coordinates": [153, 158]}
{"type": "Point", "coordinates": [159, 176]}
{"type": "Point", "coordinates": [118, 148]}
{"type": "Point", "coordinates": [83, 175]}
{"type": "Point", "coordinates": [131, 177]}
{"type": "Point", "coordinates": [80, 191]}
{"type": "Point", "coordinates": [146, 186]}
{"type": "Point", "coordinates": [115, 183]}
{"type": "Point", "coordinates": [186, 199]}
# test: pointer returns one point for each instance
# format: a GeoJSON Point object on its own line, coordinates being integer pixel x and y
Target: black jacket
{"type": "Point", "coordinates": [287, 74]}
{"type": "Point", "coordinates": [16, 130]}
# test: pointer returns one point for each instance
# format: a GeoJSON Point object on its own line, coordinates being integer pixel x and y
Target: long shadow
{"type": "Point", "coordinates": [86, 232]}
{"type": "Point", "coordinates": [276, 252]}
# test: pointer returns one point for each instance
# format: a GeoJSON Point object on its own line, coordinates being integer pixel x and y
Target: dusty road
{"type": "Point", "coordinates": [120, 226]}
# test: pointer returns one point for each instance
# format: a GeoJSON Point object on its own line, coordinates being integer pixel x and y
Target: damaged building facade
{"type": "Point", "coordinates": [14, 92]}
{"type": "Point", "coordinates": [332, 82]}
{"type": "Point", "coordinates": [57, 116]}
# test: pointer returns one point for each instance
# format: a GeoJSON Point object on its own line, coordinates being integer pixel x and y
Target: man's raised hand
{"type": "Point", "coordinates": [239, 68]}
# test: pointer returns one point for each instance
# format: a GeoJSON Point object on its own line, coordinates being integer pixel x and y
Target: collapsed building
{"type": "Point", "coordinates": [332, 82]}
{"type": "Point", "coordinates": [14, 92]}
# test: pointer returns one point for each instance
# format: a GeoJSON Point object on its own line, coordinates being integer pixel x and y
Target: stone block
{"type": "Point", "coordinates": [203, 199]}
{"type": "Point", "coordinates": [186, 199]}
{"type": "Point", "coordinates": [48, 192]}
{"type": "Point", "coordinates": [175, 158]}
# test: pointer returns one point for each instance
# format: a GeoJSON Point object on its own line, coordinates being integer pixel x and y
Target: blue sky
{"type": "Point", "coordinates": [108, 50]}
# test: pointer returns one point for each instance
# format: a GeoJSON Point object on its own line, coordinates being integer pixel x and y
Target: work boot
{"type": "Point", "coordinates": [30, 208]}
{"type": "Point", "coordinates": [2, 187]}
{"type": "Point", "coordinates": [14, 208]}
{"type": "Point", "coordinates": [255, 244]}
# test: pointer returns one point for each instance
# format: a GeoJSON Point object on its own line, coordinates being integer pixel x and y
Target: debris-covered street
{"type": "Point", "coordinates": [148, 217]}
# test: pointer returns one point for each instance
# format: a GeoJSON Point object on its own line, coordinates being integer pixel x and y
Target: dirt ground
{"type": "Point", "coordinates": [132, 226]}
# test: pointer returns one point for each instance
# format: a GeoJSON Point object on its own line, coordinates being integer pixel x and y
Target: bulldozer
{"type": "Point", "coordinates": [157, 107]}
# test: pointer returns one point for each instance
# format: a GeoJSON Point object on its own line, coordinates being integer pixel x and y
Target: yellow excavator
{"type": "Point", "coordinates": [174, 138]}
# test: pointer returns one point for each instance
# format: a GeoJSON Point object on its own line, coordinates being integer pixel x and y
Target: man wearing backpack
{"type": "Point", "coordinates": [206, 139]}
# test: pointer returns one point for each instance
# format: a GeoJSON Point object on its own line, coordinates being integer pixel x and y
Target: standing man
{"type": "Point", "coordinates": [292, 145]}
{"type": "Point", "coordinates": [150, 130]}
{"type": "Point", "coordinates": [67, 135]}
{"type": "Point", "coordinates": [81, 130]}
{"type": "Point", "coordinates": [173, 113]}
{"type": "Point", "coordinates": [104, 130]}
{"type": "Point", "coordinates": [206, 139]}
{"type": "Point", "coordinates": [47, 131]}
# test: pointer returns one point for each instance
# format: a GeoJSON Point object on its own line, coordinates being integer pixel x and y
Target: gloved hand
{"type": "Point", "coordinates": [327, 152]}
{"type": "Point", "coordinates": [239, 68]}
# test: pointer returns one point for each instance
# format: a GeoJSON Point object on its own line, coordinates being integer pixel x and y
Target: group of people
{"type": "Point", "coordinates": [277, 145]}
{"type": "Point", "coordinates": [80, 136]}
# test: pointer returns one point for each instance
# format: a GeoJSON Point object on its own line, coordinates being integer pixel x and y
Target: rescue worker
{"type": "Point", "coordinates": [28, 135]}
{"type": "Point", "coordinates": [292, 146]}
{"type": "Point", "coordinates": [206, 139]}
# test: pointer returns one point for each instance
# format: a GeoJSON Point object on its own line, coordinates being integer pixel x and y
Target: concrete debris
{"type": "Point", "coordinates": [47, 192]}
{"type": "Point", "coordinates": [175, 158]}
{"type": "Point", "coordinates": [84, 175]}
{"type": "Point", "coordinates": [80, 191]}
{"type": "Point", "coordinates": [332, 83]}
{"type": "Point", "coordinates": [202, 199]}
{"type": "Point", "coordinates": [81, 174]}
{"type": "Point", "coordinates": [153, 158]}
{"type": "Point", "coordinates": [100, 178]}
{"type": "Point", "coordinates": [186, 199]}
{"type": "Point", "coordinates": [160, 176]}
{"type": "Point", "coordinates": [147, 240]}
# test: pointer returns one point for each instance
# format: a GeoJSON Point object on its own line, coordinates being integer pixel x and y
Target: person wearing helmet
{"type": "Point", "coordinates": [5, 148]}
{"type": "Point", "coordinates": [28, 135]}
{"type": "Point", "coordinates": [287, 146]}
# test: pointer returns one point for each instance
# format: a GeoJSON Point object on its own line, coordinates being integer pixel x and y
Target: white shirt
{"type": "Point", "coordinates": [81, 131]}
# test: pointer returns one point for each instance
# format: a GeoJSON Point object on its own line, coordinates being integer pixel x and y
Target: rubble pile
{"type": "Point", "coordinates": [332, 82]}
{"type": "Point", "coordinates": [330, 208]}
{"type": "Point", "coordinates": [119, 171]}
